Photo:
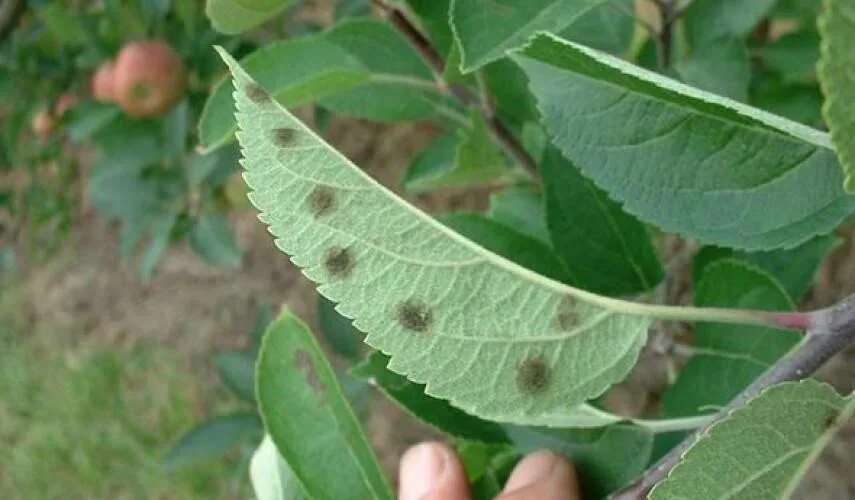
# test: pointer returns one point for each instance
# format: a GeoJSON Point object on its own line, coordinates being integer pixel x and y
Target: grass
{"type": "Point", "coordinates": [80, 419]}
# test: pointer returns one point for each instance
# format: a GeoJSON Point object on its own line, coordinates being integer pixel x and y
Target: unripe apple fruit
{"type": "Point", "coordinates": [148, 78]}
{"type": "Point", "coordinates": [102, 83]}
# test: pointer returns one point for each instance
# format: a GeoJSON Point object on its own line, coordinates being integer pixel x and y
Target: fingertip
{"type": "Point", "coordinates": [431, 471]}
{"type": "Point", "coordinates": [542, 475]}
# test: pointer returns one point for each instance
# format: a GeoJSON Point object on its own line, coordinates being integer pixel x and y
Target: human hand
{"type": "Point", "coordinates": [432, 471]}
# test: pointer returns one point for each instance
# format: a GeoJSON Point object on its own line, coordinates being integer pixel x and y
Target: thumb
{"type": "Point", "coordinates": [432, 471]}
{"type": "Point", "coordinates": [542, 475]}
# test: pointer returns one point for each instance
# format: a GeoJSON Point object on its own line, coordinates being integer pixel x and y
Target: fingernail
{"type": "Point", "coordinates": [538, 466]}
{"type": "Point", "coordinates": [421, 471]}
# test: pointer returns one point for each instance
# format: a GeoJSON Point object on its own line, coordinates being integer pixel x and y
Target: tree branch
{"type": "Point", "coordinates": [831, 330]}
{"type": "Point", "coordinates": [463, 94]}
{"type": "Point", "coordinates": [668, 14]}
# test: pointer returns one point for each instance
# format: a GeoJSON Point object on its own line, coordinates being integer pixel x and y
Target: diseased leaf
{"type": "Point", "coordinates": [837, 77]}
{"type": "Point", "coordinates": [271, 477]}
{"type": "Point", "coordinates": [486, 29]}
{"type": "Point", "coordinates": [729, 357]}
{"type": "Point", "coordinates": [212, 439]}
{"type": "Point", "coordinates": [369, 65]}
{"type": "Point", "coordinates": [435, 412]}
{"type": "Point", "coordinates": [488, 335]}
{"type": "Point", "coordinates": [701, 165]}
{"type": "Point", "coordinates": [604, 249]}
{"type": "Point", "coordinates": [309, 419]}
{"type": "Point", "coordinates": [605, 458]}
{"type": "Point", "coordinates": [761, 450]}
{"type": "Point", "coordinates": [236, 16]}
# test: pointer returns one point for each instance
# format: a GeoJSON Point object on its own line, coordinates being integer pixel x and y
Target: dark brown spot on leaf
{"type": "Point", "coordinates": [414, 315]}
{"type": "Point", "coordinates": [257, 94]}
{"type": "Point", "coordinates": [830, 420]}
{"type": "Point", "coordinates": [283, 137]}
{"type": "Point", "coordinates": [339, 262]}
{"type": "Point", "coordinates": [303, 362]}
{"type": "Point", "coordinates": [321, 201]}
{"type": "Point", "coordinates": [534, 375]}
{"type": "Point", "coordinates": [566, 316]}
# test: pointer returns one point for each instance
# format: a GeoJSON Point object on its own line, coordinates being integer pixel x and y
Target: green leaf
{"type": "Point", "coordinates": [271, 477]}
{"type": "Point", "coordinates": [87, 118]}
{"type": "Point", "coordinates": [213, 439]}
{"type": "Point", "coordinates": [490, 336]}
{"type": "Point", "coordinates": [796, 101]}
{"type": "Point", "coordinates": [722, 67]}
{"type": "Point", "coordinates": [605, 458]}
{"type": "Point", "coordinates": [522, 209]}
{"type": "Point", "coordinates": [794, 56]}
{"type": "Point", "coordinates": [65, 25]}
{"type": "Point", "coordinates": [486, 29]}
{"type": "Point", "coordinates": [591, 233]}
{"type": "Point", "coordinates": [212, 240]}
{"type": "Point", "coordinates": [236, 16]}
{"type": "Point", "coordinates": [701, 165]}
{"type": "Point", "coordinates": [508, 88]}
{"type": "Point", "coordinates": [728, 357]}
{"type": "Point", "coordinates": [213, 168]}
{"type": "Point", "coordinates": [361, 67]}
{"type": "Point", "coordinates": [338, 331]}
{"type": "Point", "coordinates": [707, 21]}
{"type": "Point", "coordinates": [436, 412]}
{"type": "Point", "coordinates": [794, 268]}
{"type": "Point", "coordinates": [455, 160]}
{"type": "Point", "coordinates": [433, 16]}
{"type": "Point", "coordinates": [837, 77]}
{"type": "Point", "coordinates": [237, 371]}
{"type": "Point", "coordinates": [761, 450]}
{"type": "Point", "coordinates": [309, 419]}
{"type": "Point", "coordinates": [608, 27]}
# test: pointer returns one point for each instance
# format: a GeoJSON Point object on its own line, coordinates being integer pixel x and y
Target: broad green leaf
{"type": "Point", "coordinates": [701, 165]}
{"type": "Point", "coordinates": [707, 21]}
{"type": "Point", "coordinates": [436, 412]}
{"type": "Point", "coordinates": [800, 102]}
{"type": "Point", "coordinates": [728, 357]}
{"type": "Point", "coordinates": [495, 339]}
{"type": "Point", "coordinates": [236, 16]}
{"type": "Point", "coordinates": [761, 450]}
{"type": "Point", "coordinates": [522, 209]}
{"type": "Point", "coordinates": [270, 475]}
{"type": "Point", "coordinates": [608, 27]}
{"type": "Point", "coordinates": [433, 16]}
{"type": "Point", "coordinates": [212, 240]}
{"type": "Point", "coordinates": [309, 419]}
{"type": "Point", "coordinates": [361, 67]}
{"type": "Point", "coordinates": [486, 29]}
{"type": "Point", "coordinates": [237, 371]}
{"type": "Point", "coordinates": [509, 90]}
{"type": "Point", "coordinates": [339, 332]}
{"type": "Point", "coordinates": [604, 249]}
{"type": "Point", "coordinates": [837, 77]}
{"type": "Point", "coordinates": [722, 67]}
{"type": "Point", "coordinates": [213, 439]}
{"type": "Point", "coordinates": [453, 160]}
{"type": "Point", "coordinates": [794, 56]}
{"type": "Point", "coordinates": [605, 458]}
{"type": "Point", "coordinates": [793, 268]}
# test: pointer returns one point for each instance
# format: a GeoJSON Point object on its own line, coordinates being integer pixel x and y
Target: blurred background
{"type": "Point", "coordinates": [135, 277]}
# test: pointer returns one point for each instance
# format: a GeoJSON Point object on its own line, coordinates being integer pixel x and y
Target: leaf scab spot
{"type": "Point", "coordinates": [283, 137]}
{"type": "Point", "coordinates": [257, 94]}
{"type": "Point", "coordinates": [533, 375]}
{"type": "Point", "coordinates": [566, 315]}
{"type": "Point", "coordinates": [339, 262]}
{"type": "Point", "coordinates": [303, 362]}
{"type": "Point", "coordinates": [830, 420]}
{"type": "Point", "coordinates": [415, 315]}
{"type": "Point", "coordinates": [321, 201]}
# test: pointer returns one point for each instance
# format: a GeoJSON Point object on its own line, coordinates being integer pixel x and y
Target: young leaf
{"type": "Point", "coordinates": [309, 419]}
{"type": "Point", "coordinates": [763, 449]}
{"type": "Point", "coordinates": [486, 29]}
{"type": "Point", "coordinates": [237, 371]}
{"type": "Point", "coordinates": [236, 16]}
{"type": "Point", "coordinates": [700, 165]}
{"type": "Point", "coordinates": [591, 233]}
{"type": "Point", "coordinates": [606, 458]}
{"type": "Point", "coordinates": [435, 412]}
{"type": "Point", "coordinates": [212, 240]}
{"type": "Point", "coordinates": [495, 339]}
{"type": "Point", "coordinates": [271, 477]}
{"type": "Point", "coordinates": [728, 357]}
{"type": "Point", "coordinates": [213, 439]}
{"type": "Point", "coordinates": [837, 26]}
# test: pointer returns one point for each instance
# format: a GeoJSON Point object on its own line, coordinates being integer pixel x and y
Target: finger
{"type": "Point", "coordinates": [431, 471]}
{"type": "Point", "coordinates": [542, 475]}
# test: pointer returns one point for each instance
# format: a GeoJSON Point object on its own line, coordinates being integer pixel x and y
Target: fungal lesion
{"type": "Point", "coordinates": [321, 201]}
{"type": "Point", "coordinates": [567, 315]}
{"type": "Point", "coordinates": [283, 136]}
{"type": "Point", "coordinates": [534, 375]}
{"type": "Point", "coordinates": [339, 262]}
{"type": "Point", "coordinates": [414, 315]}
{"type": "Point", "coordinates": [257, 94]}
